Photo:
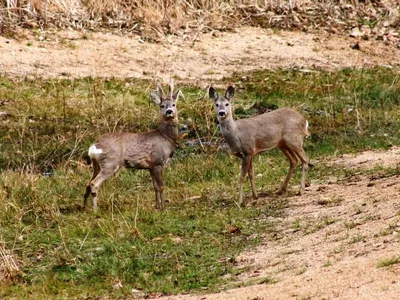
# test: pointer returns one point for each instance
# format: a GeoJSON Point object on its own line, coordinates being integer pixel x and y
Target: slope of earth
{"type": "Point", "coordinates": [336, 242]}
{"type": "Point", "coordinates": [211, 56]}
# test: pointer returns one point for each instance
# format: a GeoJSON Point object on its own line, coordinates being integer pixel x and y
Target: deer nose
{"type": "Point", "coordinates": [221, 113]}
{"type": "Point", "coordinates": [169, 112]}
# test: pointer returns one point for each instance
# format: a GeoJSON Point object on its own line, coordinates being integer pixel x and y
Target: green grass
{"type": "Point", "coordinates": [127, 244]}
{"type": "Point", "coordinates": [388, 262]}
{"type": "Point", "coordinates": [183, 248]}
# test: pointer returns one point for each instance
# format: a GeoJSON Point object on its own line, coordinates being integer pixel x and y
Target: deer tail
{"type": "Point", "coordinates": [307, 132]}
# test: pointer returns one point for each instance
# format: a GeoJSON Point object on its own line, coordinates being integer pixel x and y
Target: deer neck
{"type": "Point", "coordinates": [228, 126]}
{"type": "Point", "coordinates": [230, 133]}
{"type": "Point", "coordinates": [169, 129]}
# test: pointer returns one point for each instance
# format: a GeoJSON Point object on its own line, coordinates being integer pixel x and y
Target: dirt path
{"type": "Point", "coordinates": [330, 244]}
{"type": "Point", "coordinates": [195, 58]}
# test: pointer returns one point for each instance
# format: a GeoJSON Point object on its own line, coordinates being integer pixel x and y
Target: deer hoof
{"type": "Point", "coordinates": [280, 192]}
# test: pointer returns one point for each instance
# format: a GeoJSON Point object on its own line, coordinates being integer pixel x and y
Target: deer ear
{"type": "Point", "coordinates": [156, 97]}
{"type": "Point", "coordinates": [175, 96]}
{"type": "Point", "coordinates": [230, 91]}
{"type": "Point", "coordinates": [212, 93]}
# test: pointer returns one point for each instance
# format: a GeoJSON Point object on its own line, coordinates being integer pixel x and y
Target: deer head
{"type": "Point", "coordinates": [222, 103]}
{"type": "Point", "coordinates": [167, 103]}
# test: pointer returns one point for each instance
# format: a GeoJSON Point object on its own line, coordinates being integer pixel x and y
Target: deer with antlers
{"type": "Point", "coordinates": [146, 150]}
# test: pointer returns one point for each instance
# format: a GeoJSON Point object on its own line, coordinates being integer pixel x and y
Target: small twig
{"type": "Point", "coordinates": [392, 216]}
{"type": "Point", "coordinates": [83, 242]}
{"type": "Point", "coordinates": [358, 126]}
{"type": "Point", "coordinates": [290, 6]}
{"type": "Point", "coordinates": [63, 241]}
{"type": "Point", "coordinates": [8, 261]}
{"type": "Point", "coordinates": [136, 213]}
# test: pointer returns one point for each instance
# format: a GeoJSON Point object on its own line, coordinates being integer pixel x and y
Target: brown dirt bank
{"type": "Point", "coordinates": [71, 54]}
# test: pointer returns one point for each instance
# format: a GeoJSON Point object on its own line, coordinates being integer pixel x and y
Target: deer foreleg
{"type": "Point", "coordinates": [245, 168]}
{"type": "Point", "coordinates": [251, 177]}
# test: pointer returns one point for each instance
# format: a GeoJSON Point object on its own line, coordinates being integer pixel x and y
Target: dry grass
{"type": "Point", "coordinates": [155, 19]}
{"type": "Point", "coordinates": [9, 267]}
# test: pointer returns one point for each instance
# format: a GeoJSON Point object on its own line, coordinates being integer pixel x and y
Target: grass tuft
{"type": "Point", "coordinates": [388, 262]}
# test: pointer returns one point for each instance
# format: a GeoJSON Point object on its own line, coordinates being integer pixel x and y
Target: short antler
{"type": "Point", "coordinates": [160, 91]}
{"type": "Point", "coordinates": [171, 87]}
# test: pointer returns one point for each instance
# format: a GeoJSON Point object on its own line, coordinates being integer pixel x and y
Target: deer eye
{"type": "Point", "coordinates": [216, 104]}
{"type": "Point", "coordinates": [173, 104]}
{"type": "Point", "coordinates": [226, 104]}
{"type": "Point", "coordinates": [162, 105]}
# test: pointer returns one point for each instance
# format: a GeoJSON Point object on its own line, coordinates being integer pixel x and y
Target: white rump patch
{"type": "Point", "coordinates": [94, 152]}
{"type": "Point", "coordinates": [307, 132]}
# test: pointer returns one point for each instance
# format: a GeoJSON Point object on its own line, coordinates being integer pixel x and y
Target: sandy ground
{"type": "Point", "coordinates": [333, 238]}
{"type": "Point", "coordinates": [200, 58]}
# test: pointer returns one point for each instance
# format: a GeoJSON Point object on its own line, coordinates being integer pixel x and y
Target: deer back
{"type": "Point", "coordinates": [267, 131]}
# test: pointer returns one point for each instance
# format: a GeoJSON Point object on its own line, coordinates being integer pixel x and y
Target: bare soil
{"type": "Point", "coordinates": [333, 237]}
{"type": "Point", "coordinates": [199, 58]}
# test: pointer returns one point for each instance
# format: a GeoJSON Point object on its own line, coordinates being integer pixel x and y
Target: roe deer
{"type": "Point", "coordinates": [146, 150]}
{"type": "Point", "coordinates": [283, 128]}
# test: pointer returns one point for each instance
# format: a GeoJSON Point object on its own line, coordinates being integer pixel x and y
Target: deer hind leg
{"type": "Point", "coordinates": [302, 156]}
{"type": "Point", "coordinates": [251, 177]}
{"type": "Point", "coordinates": [156, 175]}
{"type": "Point", "coordinates": [293, 161]}
{"type": "Point", "coordinates": [245, 168]}
{"type": "Point", "coordinates": [97, 181]}
{"type": "Point", "coordinates": [96, 170]}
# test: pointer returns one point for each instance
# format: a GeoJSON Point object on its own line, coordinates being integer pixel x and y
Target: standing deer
{"type": "Point", "coordinates": [283, 128]}
{"type": "Point", "coordinates": [147, 150]}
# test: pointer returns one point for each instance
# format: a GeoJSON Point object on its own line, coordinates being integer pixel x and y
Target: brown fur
{"type": "Point", "coordinates": [147, 150]}
{"type": "Point", "coordinates": [283, 128]}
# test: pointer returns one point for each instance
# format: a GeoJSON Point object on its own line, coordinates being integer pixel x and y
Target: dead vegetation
{"type": "Point", "coordinates": [9, 267]}
{"type": "Point", "coordinates": [155, 19]}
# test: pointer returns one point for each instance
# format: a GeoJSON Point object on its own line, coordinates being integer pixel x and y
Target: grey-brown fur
{"type": "Point", "coordinates": [147, 150]}
{"type": "Point", "coordinates": [283, 128]}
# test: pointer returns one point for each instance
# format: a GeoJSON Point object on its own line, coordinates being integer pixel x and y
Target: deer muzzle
{"type": "Point", "coordinates": [169, 113]}
{"type": "Point", "coordinates": [222, 113]}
